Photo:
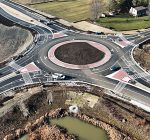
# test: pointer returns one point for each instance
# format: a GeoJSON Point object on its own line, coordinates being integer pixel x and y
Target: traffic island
{"type": "Point", "coordinates": [79, 54]}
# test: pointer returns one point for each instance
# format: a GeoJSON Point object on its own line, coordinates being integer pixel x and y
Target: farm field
{"type": "Point", "coordinates": [77, 10]}
{"type": "Point", "coordinates": [72, 11]}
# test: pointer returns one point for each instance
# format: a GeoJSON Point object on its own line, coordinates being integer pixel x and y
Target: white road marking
{"type": "Point", "coordinates": [125, 40]}
{"type": "Point", "coordinates": [14, 65]}
{"type": "Point", "coordinates": [27, 79]}
{"type": "Point", "coordinates": [119, 87]}
{"type": "Point", "coordinates": [139, 75]}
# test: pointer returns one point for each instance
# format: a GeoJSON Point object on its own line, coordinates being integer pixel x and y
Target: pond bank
{"type": "Point", "coordinates": [84, 131]}
{"type": "Point", "coordinates": [121, 116]}
{"type": "Point", "coordinates": [113, 134]}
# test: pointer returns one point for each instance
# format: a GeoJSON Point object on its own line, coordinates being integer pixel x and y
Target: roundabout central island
{"type": "Point", "coordinates": [79, 54]}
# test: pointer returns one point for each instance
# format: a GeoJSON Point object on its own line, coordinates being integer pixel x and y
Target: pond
{"type": "Point", "coordinates": [81, 129]}
{"type": "Point", "coordinates": [24, 137]}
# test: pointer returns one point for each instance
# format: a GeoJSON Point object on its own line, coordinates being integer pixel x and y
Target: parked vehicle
{"type": "Point", "coordinates": [115, 68]}
{"type": "Point", "coordinates": [58, 76]}
{"type": "Point", "coordinates": [100, 33]}
{"type": "Point", "coordinates": [50, 23]}
{"type": "Point", "coordinates": [132, 82]}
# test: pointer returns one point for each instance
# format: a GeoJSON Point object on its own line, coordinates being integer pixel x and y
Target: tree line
{"type": "Point", "coordinates": [118, 6]}
{"type": "Point", "coordinates": [124, 6]}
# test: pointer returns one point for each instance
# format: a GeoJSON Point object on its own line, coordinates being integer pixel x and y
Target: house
{"type": "Point", "coordinates": [138, 11]}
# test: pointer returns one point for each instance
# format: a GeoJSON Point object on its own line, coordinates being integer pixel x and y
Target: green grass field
{"type": "Point", "coordinates": [74, 10]}
{"type": "Point", "coordinates": [77, 10]}
{"type": "Point", "coordinates": [125, 23]}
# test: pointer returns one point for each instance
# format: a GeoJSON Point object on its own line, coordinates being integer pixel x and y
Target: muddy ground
{"type": "Point", "coordinates": [78, 53]}
{"type": "Point", "coordinates": [121, 115]}
{"type": "Point", "coordinates": [50, 133]}
{"type": "Point", "coordinates": [11, 39]}
{"type": "Point", "coordinates": [142, 55]}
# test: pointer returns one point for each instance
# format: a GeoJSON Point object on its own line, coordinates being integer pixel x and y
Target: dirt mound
{"type": "Point", "coordinates": [48, 133]}
{"type": "Point", "coordinates": [78, 53]}
{"type": "Point", "coordinates": [142, 55]}
{"type": "Point", "coordinates": [11, 39]}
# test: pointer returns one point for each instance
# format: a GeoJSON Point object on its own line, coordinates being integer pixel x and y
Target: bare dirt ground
{"type": "Point", "coordinates": [122, 116]}
{"type": "Point", "coordinates": [78, 53]}
{"type": "Point", "coordinates": [11, 40]}
{"type": "Point", "coordinates": [142, 55]}
{"type": "Point", "coordinates": [49, 133]}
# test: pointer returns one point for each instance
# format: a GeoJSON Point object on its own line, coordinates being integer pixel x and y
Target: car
{"type": "Point", "coordinates": [50, 23]}
{"type": "Point", "coordinates": [115, 68]}
{"type": "Point", "coordinates": [100, 33]}
{"type": "Point", "coordinates": [90, 32]}
{"type": "Point", "coordinates": [132, 82]}
{"type": "Point", "coordinates": [17, 72]}
{"type": "Point", "coordinates": [127, 70]}
{"type": "Point", "coordinates": [58, 76]}
{"type": "Point", "coordinates": [43, 21]}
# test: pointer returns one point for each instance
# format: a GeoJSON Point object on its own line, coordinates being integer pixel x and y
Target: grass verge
{"type": "Point", "coordinates": [125, 22]}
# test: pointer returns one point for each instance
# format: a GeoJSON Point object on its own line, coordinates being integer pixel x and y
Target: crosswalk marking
{"type": "Point", "coordinates": [139, 75]}
{"type": "Point", "coordinates": [27, 79]}
{"type": "Point", "coordinates": [128, 63]}
{"type": "Point", "coordinates": [122, 37]}
{"type": "Point", "coordinates": [26, 76]}
{"type": "Point", "coordinates": [119, 87]}
{"type": "Point", "coordinates": [14, 65]}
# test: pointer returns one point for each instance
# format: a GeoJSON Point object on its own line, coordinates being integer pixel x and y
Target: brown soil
{"type": "Point", "coordinates": [78, 53]}
{"type": "Point", "coordinates": [142, 55]}
{"type": "Point", "coordinates": [48, 133]}
{"type": "Point", "coordinates": [11, 39]}
{"type": "Point", "coordinates": [122, 116]}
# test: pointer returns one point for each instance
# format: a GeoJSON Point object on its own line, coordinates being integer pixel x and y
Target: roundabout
{"type": "Point", "coordinates": [71, 55]}
{"type": "Point", "coordinates": [79, 54]}
{"type": "Point", "coordinates": [85, 61]}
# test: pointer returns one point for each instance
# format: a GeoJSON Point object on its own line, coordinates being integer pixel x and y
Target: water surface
{"type": "Point", "coordinates": [84, 130]}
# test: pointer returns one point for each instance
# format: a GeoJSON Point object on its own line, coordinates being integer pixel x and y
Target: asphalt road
{"type": "Point", "coordinates": [43, 41]}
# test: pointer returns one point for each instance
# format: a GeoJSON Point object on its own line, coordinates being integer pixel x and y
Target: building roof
{"type": "Point", "coordinates": [140, 8]}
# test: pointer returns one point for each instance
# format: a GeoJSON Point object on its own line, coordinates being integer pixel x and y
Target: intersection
{"type": "Point", "coordinates": [49, 35]}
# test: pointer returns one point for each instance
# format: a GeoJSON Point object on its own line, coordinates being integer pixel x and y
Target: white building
{"type": "Point", "coordinates": [138, 11]}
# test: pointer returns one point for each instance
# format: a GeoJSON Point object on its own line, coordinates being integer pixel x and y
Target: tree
{"type": "Point", "coordinates": [125, 6]}
{"type": "Point", "coordinates": [134, 2]}
{"type": "Point", "coordinates": [114, 5]}
{"type": "Point", "coordinates": [140, 2]}
{"type": "Point", "coordinates": [149, 8]}
{"type": "Point", "coordinates": [95, 9]}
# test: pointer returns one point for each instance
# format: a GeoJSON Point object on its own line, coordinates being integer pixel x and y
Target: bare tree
{"type": "Point", "coordinates": [95, 9]}
{"type": "Point", "coordinates": [149, 8]}
{"type": "Point", "coordinates": [140, 2]}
